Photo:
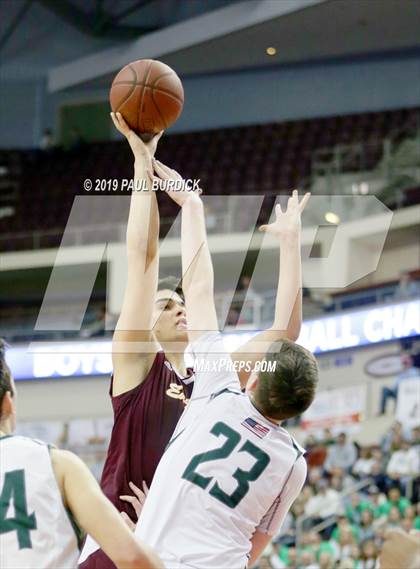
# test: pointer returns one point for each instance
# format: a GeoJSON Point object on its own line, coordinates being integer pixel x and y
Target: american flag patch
{"type": "Point", "coordinates": [255, 427]}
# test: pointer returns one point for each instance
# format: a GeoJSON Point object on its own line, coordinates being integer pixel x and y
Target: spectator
{"type": "Point", "coordinates": [345, 543]}
{"type": "Point", "coordinates": [407, 287]}
{"type": "Point", "coordinates": [307, 559]}
{"type": "Point", "coordinates": [379, 531]}
{"type": "Point", "coordinates": [366, 525]}
{"type": "Point", "coordinates": [323, 505]}
{"type": "Point", "coordinates": [394, 518]}
{"type": "Point", "coordinates": [394, 500]}
{"type": "Point", "coordinates": [415, 437]}
{"type": "Point", "coordinates": [343, 524]}
{"type": "Point", "coordinates": [327, 547]}
{"type": "Point", "coordinates": [410, 514]}
{"type": "Point", "coordinates": [405, 524]}
{"type": "Point", "coordinates": [363, 465]}
{"type": "Point", "coordinates": [341, 456]}
{"type": "Point", "coordinates": [374, 502]}
{"type": "Point", "coordinates": [353, 508]}
{"type": "Point", "coordinates": [369, 556]}
{"type": "Point", "coordinates": [409, 371]}
{"type": "Point", "coordinates": [403, 465]}
{"type": "Point", "coordinates": [306, 543]}
{"type": "Point", "coordinates": [327, 437]}
{"type": "Point", "coordinates": [285, 557]}
{"type": "Point", "coordinates": [378, 455]}
{"type": "Point", "coordinates": [393, 436]}
{"type": "Point", "coordinates": [326, 560]}
{"type": "Point", "coordinates": [336, 483]}
{"type": "Point", "coordinates": [378, 477]}
{"type": "Point", "coordinates": [355, 554]}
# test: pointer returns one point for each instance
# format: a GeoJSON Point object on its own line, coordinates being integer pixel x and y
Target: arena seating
{"type": "Point", "coordinates": [265, 159]}
{"type": "Point", "coordinates": [344, 511]}
{"type": "Point", "coordinates": [17, 322]}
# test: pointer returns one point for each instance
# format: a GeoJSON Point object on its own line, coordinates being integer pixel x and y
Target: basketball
{"type": "Point", "coordinates": [148, 94]}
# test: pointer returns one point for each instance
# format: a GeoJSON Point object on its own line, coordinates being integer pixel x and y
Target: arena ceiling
{"type": "Point", "coordinates": [236, 37]}
{"type": "Point", "coordinates": [84, 42]}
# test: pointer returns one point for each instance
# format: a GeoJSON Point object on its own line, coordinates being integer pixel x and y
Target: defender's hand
{"type": "Point", "coordinates": [137, 501]}
{"type": "Point", "coordinates": [288, 223]}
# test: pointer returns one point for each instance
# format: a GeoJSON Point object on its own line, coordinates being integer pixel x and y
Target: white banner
{"type": "Point", "coordinates": [337, 409]}
{"type": "Point", "coordinates": [408, 403]}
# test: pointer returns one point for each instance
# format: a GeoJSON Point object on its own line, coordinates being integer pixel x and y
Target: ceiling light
{"type": "Point", "coordinates": [271, 51]}
{"type": "Point", "coordinates": [332, 217]}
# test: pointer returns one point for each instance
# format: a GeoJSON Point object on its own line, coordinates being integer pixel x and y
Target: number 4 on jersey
{"type": "Point", "coordinates": [14, 492]}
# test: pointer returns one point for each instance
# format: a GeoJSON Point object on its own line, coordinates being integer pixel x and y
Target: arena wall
{"type": "Point", "coordinates": [232, 99]}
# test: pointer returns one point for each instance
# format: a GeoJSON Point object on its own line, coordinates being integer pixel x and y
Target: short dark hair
{"type": "Point", "coordinates": [5, 374]}
{"type": "Point", "coordinates": [171, 283]}
{"type": "Point", "coordinates": [290, 388]}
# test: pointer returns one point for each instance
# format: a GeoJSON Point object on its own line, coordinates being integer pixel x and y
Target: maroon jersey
{"type": "Point", "coordinates": [144, 419]}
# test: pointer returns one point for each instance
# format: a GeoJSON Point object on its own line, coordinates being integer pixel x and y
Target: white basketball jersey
{"type": "Point", "coordinates": [227, 472]}
{"type": "Point", "coordinates": [35, 530]}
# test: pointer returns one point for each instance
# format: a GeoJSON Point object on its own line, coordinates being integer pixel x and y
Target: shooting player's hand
{"type": "Point", "coordinates": [143, 151]}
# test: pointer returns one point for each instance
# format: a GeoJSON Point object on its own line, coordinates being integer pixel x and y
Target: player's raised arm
{"type": "Point", "coordinates": [133, 347]}
{"type": "Point", "coordinates": [288, 308]}
{"type": "Point", "coordinates": [197, 267]}
{"type": "Point", "coordinates": [95, 514]}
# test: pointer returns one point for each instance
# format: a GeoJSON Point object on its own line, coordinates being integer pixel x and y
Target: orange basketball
{"type": "Point", "coordinates": [148, 94]}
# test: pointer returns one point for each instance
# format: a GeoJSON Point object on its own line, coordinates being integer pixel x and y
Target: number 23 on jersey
{"type": "Point", "coordinates": [243, 477]}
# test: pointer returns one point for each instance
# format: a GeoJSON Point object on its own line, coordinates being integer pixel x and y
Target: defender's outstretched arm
{"type": "Point", "coordinates": [288, 309]}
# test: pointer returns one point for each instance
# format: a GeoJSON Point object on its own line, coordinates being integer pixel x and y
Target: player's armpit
{"type": "Point", "coordinates": [130, 372]}
{"type": "Point", "coordinates": [97, 516]}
